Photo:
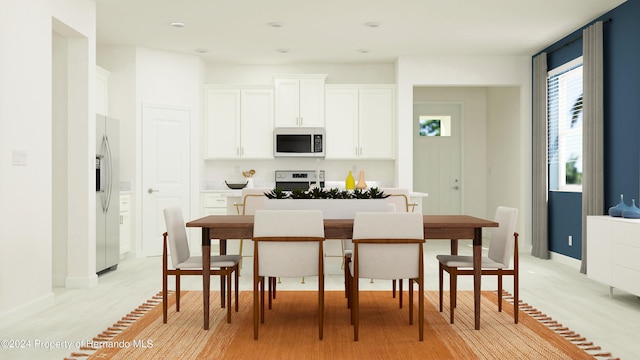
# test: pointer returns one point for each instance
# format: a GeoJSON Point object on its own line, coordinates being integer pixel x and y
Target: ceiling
{"type": "Point", "coordinates": [335, 31]}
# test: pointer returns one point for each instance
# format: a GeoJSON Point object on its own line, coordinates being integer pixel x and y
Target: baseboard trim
{"type": "Point", "coordinates": [566, 260]}
{"type": "Point", "coordinates": [135, 255]}
{"type": "Point", "coordinates": [84, 282]}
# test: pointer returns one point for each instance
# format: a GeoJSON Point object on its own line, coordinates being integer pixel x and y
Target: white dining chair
{"type": "Point", "coordinates": [252, 199]}
{"type": "Point", "coordinates": [183, 263]}
{"type": "Point", "coordinates": [400, 198]}
{"type": "Point", "coordinates": [388, 246]}
{"type": "Point", "coordinates": [287, 243]}
{"type": "Point", "coordinates": [503, 247]}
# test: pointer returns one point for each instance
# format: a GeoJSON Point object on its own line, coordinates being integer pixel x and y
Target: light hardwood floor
{"type": "Point", "coordinates": [553, 288]}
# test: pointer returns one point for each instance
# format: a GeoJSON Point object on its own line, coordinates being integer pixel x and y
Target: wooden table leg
{"type": "Point", "coordinates": [477, 273]}
{"type": "Point", "coordinates": [206, 273]}
{"type": "Point", "coordinates": [454, 246]}
{"type": "Point", "coordinates": [223, 251]}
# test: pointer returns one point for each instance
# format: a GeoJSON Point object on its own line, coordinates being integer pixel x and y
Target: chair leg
{"type": "Point", "coordinates": [237, 275]}
{"type": "Point", "coordinates": [452, 293]}
{"type": "Point", "coordinates": [393, 289]}
{"type": "Point", "coordinates": [499, 290]}
{"type": "Point", "coordinates": [440, 279]}
{"type": "Point", "coordinates": [274, 288]}
{"type": "Point", "coordinates": [400, 292]}
{"type": "Point", "coordinates": [262, 280]}
{"type": "Point", "coordinates": [516, 297]}
{"type": "Point", "coordinates": [164, 295]}
{"type": "Point", "coordinates": [421, 307]}
{"type": "Point", "coordinates": [345, 268]}
{"type": "Point", "coordinates": [178, 292]}
{"type": "Point", "coordinates": [229, 296]}
{"type": "Point", "coordinates": [355, 308]}
{"type": "Point", "coordinates": [256, 292]}
{"type": "Point", "coordinates": [347, 280]}
{"type": "Point", "coordinates": [256, 307]}
{"type": "Point", "coordinates": [271, 286]}
{"type": "Point", "coordinates": [351, 298]}
{"type": "Point", "coordinates": [321, 306]}
{"type": "Point", "coordinates": [410, 282]}
{"type": "Point", "coordinates": [270, 290]}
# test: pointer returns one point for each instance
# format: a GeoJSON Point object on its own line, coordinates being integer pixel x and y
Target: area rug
{"type": "Point", "coordinates": [290, 331]}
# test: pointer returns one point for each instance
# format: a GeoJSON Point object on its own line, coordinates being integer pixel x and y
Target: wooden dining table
{"type": "Point", "coordinates": [436, 227]}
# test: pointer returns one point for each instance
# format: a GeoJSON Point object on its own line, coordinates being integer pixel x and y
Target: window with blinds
{"type": "Point", "coordinates": [564, 93]}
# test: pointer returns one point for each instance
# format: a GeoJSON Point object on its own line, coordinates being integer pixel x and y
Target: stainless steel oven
{"type": "Point", "coordinates": [289, 180]}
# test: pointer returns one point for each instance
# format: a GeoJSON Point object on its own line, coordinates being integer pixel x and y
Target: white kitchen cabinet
{"type": "Point", "coordinates": [360, 121]}
{"type": "Point", "coordinates": [125, 224]}
{"type": "Point", "coordinates": [214, 203]}
{"type": "Point", "coordinates": [299, 101]}
{"type": "Point", "coordinates": [238, 123]}
{"type": "Point", "coordinates": [613, 249]}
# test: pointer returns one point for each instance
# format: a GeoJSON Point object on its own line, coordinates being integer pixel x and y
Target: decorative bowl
{"type": "Point", "coordinates": [236, 185]}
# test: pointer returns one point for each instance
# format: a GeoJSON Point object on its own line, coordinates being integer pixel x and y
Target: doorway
{"type": "Point", "coordinates": [166, 170]}
{"type": "Point", "coordinates": [437, 156]}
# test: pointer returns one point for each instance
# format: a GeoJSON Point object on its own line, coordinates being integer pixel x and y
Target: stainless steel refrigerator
{"type": "Point", "coordinates": [107, 194]}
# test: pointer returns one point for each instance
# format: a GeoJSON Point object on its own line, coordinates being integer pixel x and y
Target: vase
{"type": "Point", "coordinates": [350, 183]}
{"type": "Point", "coordinates": [617, 210]}
{"type": "Point", "coordinates": [631, 212]}
{"type": "Point", "coordinates": [361, 184]}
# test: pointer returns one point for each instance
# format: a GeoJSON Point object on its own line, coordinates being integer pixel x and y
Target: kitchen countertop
{"type": "Point", "coordinates": [232, 193]}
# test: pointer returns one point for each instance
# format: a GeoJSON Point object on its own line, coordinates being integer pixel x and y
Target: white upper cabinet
{"type": "Point", "coordinates": [360, 121]}
{"type": "Point", "coordinates": [238, 123]}
{"type": "Point", "coordinates": [299, 101]}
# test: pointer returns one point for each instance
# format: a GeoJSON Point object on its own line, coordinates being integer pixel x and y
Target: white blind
{"type": "Point", "coordinates": [565, 127]}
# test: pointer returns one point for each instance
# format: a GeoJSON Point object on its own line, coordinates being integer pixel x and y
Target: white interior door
{"type": "Point", "coordinates": [437, 156]}
{"type": "Point", "coordinates": [165, 170]}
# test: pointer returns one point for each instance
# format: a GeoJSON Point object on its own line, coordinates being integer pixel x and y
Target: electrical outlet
{"type": "Point", "coordinates": [570, 240]}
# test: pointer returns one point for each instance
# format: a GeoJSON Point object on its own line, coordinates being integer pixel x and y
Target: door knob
{"type": "Point", "coordinates": [151, 191]}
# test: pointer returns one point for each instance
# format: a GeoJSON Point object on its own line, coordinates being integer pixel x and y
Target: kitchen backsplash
{"type": "Point", "coordinates": [377, 173]}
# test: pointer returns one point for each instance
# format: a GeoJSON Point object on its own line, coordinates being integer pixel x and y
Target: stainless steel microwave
{"type": "Point", "coordinates": [298, 142]}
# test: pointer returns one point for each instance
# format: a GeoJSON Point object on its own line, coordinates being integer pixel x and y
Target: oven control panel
{"type": "Point", "coordinates": [289, 180]}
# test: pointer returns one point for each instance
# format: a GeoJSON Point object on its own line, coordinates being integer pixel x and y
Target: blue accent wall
{"type": "Point", "coordinates": [565, 220]}
{"type": "Point", "coordinates": [621, 122]}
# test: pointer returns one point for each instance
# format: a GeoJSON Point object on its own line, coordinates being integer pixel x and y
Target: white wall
{"type": "Point", "coordinates": [486, 71]}
{"type": "Point", "coordinates": [504, 150]}
{"type": "Point", "coordinates": [60, 169]}
{"type": "Point", "coordinates": [26, 125]}
{"type": "Point", "coordinates": [336, 73]}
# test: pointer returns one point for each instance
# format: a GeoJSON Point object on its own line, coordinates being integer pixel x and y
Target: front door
{"type": "Point", "coordinates": [165, 170]}
{"type": "Point", "coordinates": [436, 156]}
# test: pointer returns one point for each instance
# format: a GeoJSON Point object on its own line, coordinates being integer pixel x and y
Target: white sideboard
{"type": "Point", "coordinates": [613, 250]}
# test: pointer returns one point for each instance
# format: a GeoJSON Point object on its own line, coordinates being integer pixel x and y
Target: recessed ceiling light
{"type": "Point", "coordinates": [275, 24]}
{"type": "Point", "coordinates": [363, 51]}
{"type": "Point", "coordinates": [201, 51]}
{"type": "Point", "coordinates": [283, 51]}
{"type": "Point", "coordinates": [372, 24]}
{"type": "Point", "coordinates": [177, 24]}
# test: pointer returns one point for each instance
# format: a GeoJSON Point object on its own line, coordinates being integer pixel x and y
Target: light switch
{"type": "Point", "coordinates": [19, 157]}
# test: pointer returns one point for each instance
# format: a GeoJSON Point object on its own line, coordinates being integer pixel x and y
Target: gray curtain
{"type": "Point", "coordinates": [592, 119]}
{"type": "Point", "coordinates": [540, 238]}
